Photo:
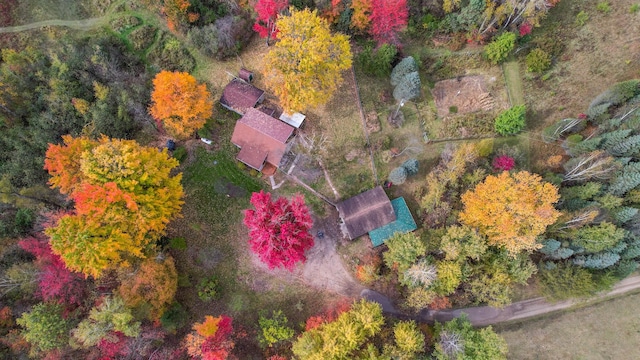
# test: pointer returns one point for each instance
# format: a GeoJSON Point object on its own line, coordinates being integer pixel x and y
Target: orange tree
{"type": "Point", "coordinates": [511, 209]}
{"type": "Point", "coordinates": [180, 103]}
{"type": "Point", "coordinates": [304, 67]}
{"type": "Point", "coordinates": [124, 197]}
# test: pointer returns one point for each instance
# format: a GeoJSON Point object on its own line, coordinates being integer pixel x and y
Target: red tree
{"type": "Point", "coordinates": [387, 18]}
{"type": "Point", "coordinates": [55, 283]}
{"type": "Point", "coordinates": [279, 230]}
{"type": "Point", "coordinates": [268, 11]}
{"type": "Point", "coordinates": [503, 163]}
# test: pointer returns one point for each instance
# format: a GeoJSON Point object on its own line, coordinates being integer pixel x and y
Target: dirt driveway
{"type": "Point", "coordinates": [324, 269]}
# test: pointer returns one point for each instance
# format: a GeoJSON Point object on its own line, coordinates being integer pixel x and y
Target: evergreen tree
{"type": "Point", "coordinates": [403, 68]}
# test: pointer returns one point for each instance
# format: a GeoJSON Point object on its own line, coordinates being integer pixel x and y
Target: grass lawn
{"type": "Point", "coordinates": [216, 193]}
{"type": "Point", "coordinates": [608, 330]}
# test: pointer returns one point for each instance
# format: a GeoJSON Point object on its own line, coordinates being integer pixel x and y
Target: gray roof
{"type": "Point", "coordinates": [366, 211]}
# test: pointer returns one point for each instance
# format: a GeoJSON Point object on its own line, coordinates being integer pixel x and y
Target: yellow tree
{"type": "Point", "coordinates": [180, 103]}
{"type": "Point", "coordinates": [124, 195]}
{"type": "Point", "coordinates": [512, 210]}
{"type": "Point", "coordinates": [304, 67]}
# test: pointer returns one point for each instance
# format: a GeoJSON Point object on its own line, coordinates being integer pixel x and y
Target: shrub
{"type": "Point", "coordinates": [142, 37]}
{"type": "Point", "coordinates": [604, 7]}
{"type": "Point", "coordinates": [175, 318]}
{"type": "Point", "coordinates": [169, 54]}
{"type": "Point", "coordinates": [581, 18]}
{"type": "Point", "coordinates": [634, 8]}
{"type": "Point", "coordinates": [398, 175]}
{"type": "Point", "coordinates": [178, 243]}
{"type": "Point", "coordinates": [205, 39]}
{"type": "Point", "coordinates": [411, 166]}
{"type": "Point", "coordinates": [538, 61]}
{"type": "Point", "coordinates": [453, 109]}
{"type": "Point", "coordinates": [511, 122]}
{"type": "Point", "coordinates": [274, 329]}
{"type": "Point", "coordinates": [377, 62]}
{"type": "Point", "coordinates": [209, 289]}
{"type": "Point", "coordinates": [23, 221]}
{"type": "Point", "coordinates": [503, 163]}
{"type": "Point", "coordinates": [124, 23]}
{"type": "Point", "coordinates": [498, 50]}
{"type": "Point", "coordinates": [180, 154]}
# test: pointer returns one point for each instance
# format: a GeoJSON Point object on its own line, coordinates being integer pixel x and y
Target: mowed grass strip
{"type": "Point", "coordinates": [608, 330]}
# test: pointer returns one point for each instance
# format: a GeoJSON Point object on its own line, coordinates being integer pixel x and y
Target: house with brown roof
{"type": "Point", "coordinates": [262, 139]}
{"type": "Point", "coordinates": [365, 212]}
{"type": "Point", "coordinates": [238, 96]}
{"type": "Point", "coordinates": [372, 212]}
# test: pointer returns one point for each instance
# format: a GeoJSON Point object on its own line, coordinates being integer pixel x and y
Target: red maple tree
{"type": "Point", "coordinates": [279, 230]}
{"type": "Point", "coordinates": [55, 282]}
{"type": "Point", "coordinates": [387, 18]}
{"type": "Point", "coordinates": [268, 11]}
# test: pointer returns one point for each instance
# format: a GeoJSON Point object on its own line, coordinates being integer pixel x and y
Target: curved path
{"type": "Point", "coordinates": [85, 24]}
{"type": "Point", "coordinates": [486, 315]}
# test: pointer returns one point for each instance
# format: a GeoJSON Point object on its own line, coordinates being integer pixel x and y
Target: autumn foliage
{"type": "Point", "coordinates": [387, 18]}
{"type": "Point", "coordinates": [511, 209]}
{"type": "Point", "coordinates": [154, 283]}
{"type": "Point", "coordinates": [279, 230]}
{"type": "Point", "coordinates": [55, 282]}
{"type": "Point", "coordinates": [210, 340]}
{"type": "Point", "coordinates": [304, 67]}
{"type": "Point", "coordinates": [180, 103]}
{"type": "Point", "coordinates": [268, 11]}
{"type": "Point", "coordinates": [125, 196]}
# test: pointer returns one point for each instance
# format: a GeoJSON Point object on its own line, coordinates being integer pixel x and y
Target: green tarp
{"type": "Point", "coordinates": [404, 223]}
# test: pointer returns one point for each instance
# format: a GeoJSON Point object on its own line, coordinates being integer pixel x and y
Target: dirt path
{"type": "Point", "coordinates": [512, 78]}
{"type": "Point", "coordinates": [485, 315]}
{"type": "Point", "coordinates": [85, 24]}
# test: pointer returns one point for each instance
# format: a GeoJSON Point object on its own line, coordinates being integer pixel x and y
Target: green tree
{"type": "Point", "coordinates": [404, 250]}
{"type": "Point", "coordinates": [599, 237]}
{"type": "Point", "coordinates": [406, 66]}
{"type": "Point", "coordinates": [111, 315]}
{"type": "Point", "coordinates": [498, 50]}
{"type": "Point", "coordinates": [462, 242]}
{"type": "Point", "coordinates": [341, 338]}
{"type": "Point", "coordinates": [274, 329]}
{"type": "Point", "coordinates": [449, 277]}
{"type": "Point", "coordinates": [512, 121]}
{"type": "Point", "coordinates": [457, 339]}
{"type": "Point", "coordinates": [564, 281]}
{"type": "Point", "coordinates": [408, 338]}
{"type": "Point", "coordinates": [45, 328]}
{"type": "Point", "coordinates": [538, 61]}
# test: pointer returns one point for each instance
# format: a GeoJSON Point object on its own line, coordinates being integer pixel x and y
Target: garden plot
{"type": "Point", "coordinates": [462, 95]}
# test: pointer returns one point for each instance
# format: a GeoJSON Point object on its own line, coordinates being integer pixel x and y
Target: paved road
{"type": "Point", "coordinates": [485, 315]}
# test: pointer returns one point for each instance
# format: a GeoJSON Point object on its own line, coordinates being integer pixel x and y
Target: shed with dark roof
{"type": "Point", "coordinates": [238, 96]}
{"type": "Point", "coordinates": [365, 212]}
{"type": "Point", "coordinates": [261, 138]}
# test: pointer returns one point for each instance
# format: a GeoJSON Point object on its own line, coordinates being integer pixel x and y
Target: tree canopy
{"type": "Point", "coordinates": [125, 196]}
{"type": "Point", "coordinates": [511, 209]}
{"type": "Point", "coordinates": [304, 67]}
{"type": "Point", "coordinates": [180, 103]}
{"type": "Point", "coordinates": [279, 230]}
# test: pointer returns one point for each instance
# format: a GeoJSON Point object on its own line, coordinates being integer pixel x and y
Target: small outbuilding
{"type": "Point", "coordinates": [372, 212]}
{"type": "Point", "coordinates": [262, 139]}
{"type": "Point", "coordinates": [239, 95]}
